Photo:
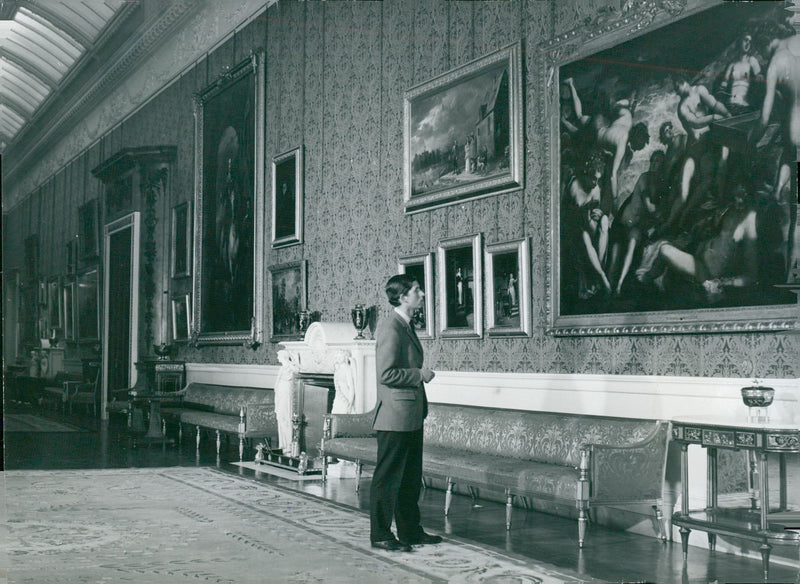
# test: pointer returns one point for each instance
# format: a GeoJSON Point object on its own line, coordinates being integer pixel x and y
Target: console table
{"type": "Point", "coordinates": [753, 523]}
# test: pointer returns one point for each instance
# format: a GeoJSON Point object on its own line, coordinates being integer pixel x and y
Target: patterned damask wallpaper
{"type": "Point", "coordinates": [336, 73]}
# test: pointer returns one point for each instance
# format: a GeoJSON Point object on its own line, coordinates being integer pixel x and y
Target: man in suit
{"type": "Point", "coordinates": [399, 414]}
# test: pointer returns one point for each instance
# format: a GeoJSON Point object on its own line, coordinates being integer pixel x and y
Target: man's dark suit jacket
{"type": "Point", "coordinates": [402, 404]}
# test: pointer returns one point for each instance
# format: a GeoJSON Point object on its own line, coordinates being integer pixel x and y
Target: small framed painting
{"type": "Point", "coordinates": [53, 303]}
{"type": "Point", "coordinates": [288, 299]}
{"type": "Point", "coordinates": [68, 309]}
{"type": "Point", "coordinates": [181, 240]}
{"type": "Point", "coordinates": [508, 289]}
{"type": "Point", "coordinates": [88, 307]}
{"type": "Point", "coordinates": [181, 319]}
{"type": "Point", "coordinates": [287, 198]}
{"type": "Point", "coordinates": [89, 234]}
{"type": "Point", "coordinates": [420, 267]}
{"type": "Point", "coordinates": [460, 287]}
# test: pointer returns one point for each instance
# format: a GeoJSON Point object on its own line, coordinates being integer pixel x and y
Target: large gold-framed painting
{"type": "Point", "coordinates": [228, 285]}
{"type": "Point", "coordinates": [674, 195]}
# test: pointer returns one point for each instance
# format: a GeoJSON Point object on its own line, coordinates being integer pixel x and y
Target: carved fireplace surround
{"type": "Point", "coordinates": [328, 356]}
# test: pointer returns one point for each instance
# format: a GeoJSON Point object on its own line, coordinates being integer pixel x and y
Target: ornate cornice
{"type": "Point", "coordinates": [66, 116]}
{"type": "Point", "coordinates": [632, 18]}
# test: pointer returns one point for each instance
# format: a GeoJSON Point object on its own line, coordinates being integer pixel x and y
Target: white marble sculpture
{"type": "Point", "coordinates": [284, 397]}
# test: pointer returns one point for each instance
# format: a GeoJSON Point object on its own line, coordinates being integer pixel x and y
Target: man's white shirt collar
{"type": "Point", "coordinates": [405, 317]}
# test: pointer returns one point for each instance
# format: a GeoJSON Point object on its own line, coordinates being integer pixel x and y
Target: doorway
{"type": "Point", "coordinates": [121, 302]}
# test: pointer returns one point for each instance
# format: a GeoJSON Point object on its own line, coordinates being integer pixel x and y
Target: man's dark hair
{"type": "Point", "coordinates": [398, 286]}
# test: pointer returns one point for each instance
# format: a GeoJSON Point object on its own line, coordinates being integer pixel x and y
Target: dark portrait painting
{"type": "Point", "coordinates": [228, 208]}
{"type": "Point", "coordinates": [88, 306]}
{"type": "Point", "coordinates": [287, 198]}
{"type": "Point", "coordinates": [284, 199]}
{"type": "Point", "coordinates": [676, 194]}
{"type": "Point", "coordinates": [181, 240]}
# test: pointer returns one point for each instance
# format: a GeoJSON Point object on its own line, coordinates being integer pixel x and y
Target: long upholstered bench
{"type": "Point", "coordinates": [247, 412]}
{"type": "Point", "coordinates": [586, 461]}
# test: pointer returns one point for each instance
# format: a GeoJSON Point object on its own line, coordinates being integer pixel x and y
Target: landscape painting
{"type": "Point", "coordinates": [463, 132]}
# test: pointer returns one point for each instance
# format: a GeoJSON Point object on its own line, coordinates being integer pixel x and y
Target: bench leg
{"type": "Point", "coordinates": [198, 438]}
{"type": "Point", "coordinates": [661, 530]}
{"type": "Point", "coordinates": [217, 442]}
{"type": "Point", "coordinates": [582, 521]}
{"type": "Point", "coordinates": [359, 466]}
{"type": "Point", "coordinates": [509, 507]}
{"type": "Point", "coordinates": [180, 432]}
{"type": "Point", "coordinates": [448, 496]}
{"type": "Point", "coordinates": [163, 427]}
{"type": "Point", "coordinates": [241, 447]}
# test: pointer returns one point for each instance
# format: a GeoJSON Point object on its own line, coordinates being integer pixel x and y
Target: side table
{"type": "Point", "coordinates": [752, 523]}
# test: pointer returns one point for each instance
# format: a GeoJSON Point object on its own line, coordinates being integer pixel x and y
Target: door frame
{"type": "Point", "coordinates": [130, 221]}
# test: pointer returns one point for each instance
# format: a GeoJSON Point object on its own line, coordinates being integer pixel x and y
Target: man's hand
{"type": "Point", "coordinates": [427, 374]}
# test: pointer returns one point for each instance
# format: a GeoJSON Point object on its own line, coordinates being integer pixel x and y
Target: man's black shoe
{"type": "Point", "coordinates": [422, 538]}
{"type": "Point", "coordinates": [392, 545]}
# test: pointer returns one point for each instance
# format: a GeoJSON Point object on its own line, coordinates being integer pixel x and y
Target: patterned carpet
{"type": "Point", "coordinates": [183, 524]}
{"type": "Point", "coordinates": [31, 423]}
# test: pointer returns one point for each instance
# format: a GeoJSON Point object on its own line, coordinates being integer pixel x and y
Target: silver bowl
{"type": "Point", "coordinates": [757, 397]}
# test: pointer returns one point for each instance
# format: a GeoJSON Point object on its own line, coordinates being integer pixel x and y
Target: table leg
{"type": "Point", "coordinates": [685, 541]}
{"type": "Point", "coordinates": [711, 492]}
{"type": "Point", "coordinates": [154, 434]}
{"type": "Point", "coordinates": [684, 498]}
{"type": "Point", "coordinates": [752, 471]}
{"type": "Point", "coordinates": [764, 487]}
{"type": "Point", "coordinates": [782, 468]}
{"type": "Point", "coordinates": [765, 549]}
{"type": "Point", "coordinates": [684, 479]}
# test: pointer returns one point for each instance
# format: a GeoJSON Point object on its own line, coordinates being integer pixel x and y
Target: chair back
{"type": "Point", "coordinates": [91, 371]}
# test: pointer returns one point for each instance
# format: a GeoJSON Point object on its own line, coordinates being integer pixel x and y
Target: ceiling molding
{"type": "Point", "coordinates": [56, 123]}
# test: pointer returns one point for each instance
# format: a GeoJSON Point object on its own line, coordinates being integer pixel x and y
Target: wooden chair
{"type": "Point", "coordinates": [87, 391]}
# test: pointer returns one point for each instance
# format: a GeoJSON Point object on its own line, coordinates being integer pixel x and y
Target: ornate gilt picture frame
{"type": "Point", "coordinates": [508, 289]}
{"type": "Point", "coordinates": [463, 132]}
{"type": "Point", "coordinates": [228, 285]}
{"type": "Point", "coordinates": [673, 208]}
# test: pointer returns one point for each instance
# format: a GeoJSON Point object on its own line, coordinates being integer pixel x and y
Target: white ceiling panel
{"type": "Point", "coordinates": [41, 42]}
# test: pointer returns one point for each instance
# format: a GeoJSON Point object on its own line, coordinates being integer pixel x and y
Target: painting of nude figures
{"type": "Point", "coordinates": [675, 196]}
{"type": "Point", "coordinates": [463, 132]}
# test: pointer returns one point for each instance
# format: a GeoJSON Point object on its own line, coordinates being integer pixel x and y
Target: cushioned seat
{"type": "Point", "coordinates": [568, 460]}
{"type": "Point", "coordinates": [247, 412]}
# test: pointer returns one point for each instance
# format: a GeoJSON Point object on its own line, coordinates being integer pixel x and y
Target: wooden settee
{"type": "Point", "coordinates": [585, 461]}
{"type": "Point", "coordinates": [247, 412]}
